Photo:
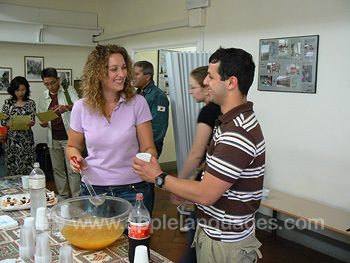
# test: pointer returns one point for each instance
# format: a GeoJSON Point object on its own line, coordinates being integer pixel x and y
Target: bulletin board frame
{"type": "Point", "coordinates": [288, 64]}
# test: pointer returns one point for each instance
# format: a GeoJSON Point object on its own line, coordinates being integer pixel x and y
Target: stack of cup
{"type": "Point", "coordinates": [41, 221]}
{"type": "Point", "coordinates": [42, 251]}
{"type": "Point", "coordinates": [26, 243]}
{"type": "Point", "coordinates": [265, 194]}
{"type": "Point", "coordinates": [30, 222]}
{"type": "Point", "coordinates": [25, 182]}
{"type": "Point", "coordinates": [66, 255]}
{"type": "Point", "coordinates": [141, 254]}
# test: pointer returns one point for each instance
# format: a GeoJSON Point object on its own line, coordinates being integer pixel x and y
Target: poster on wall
{"type": "Point", "coordinates": [33, 67]}
{"type": "Point", "coordinates": [65, 76]}
{"type": "Point", "coordinates": [288, 64]}
{"type": "Point", "coordinates": [5, 79]}
{"type": "Point", "coordinates": [163, 83]}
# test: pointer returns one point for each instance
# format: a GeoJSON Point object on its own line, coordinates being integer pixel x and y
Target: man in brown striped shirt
{"type": "Point", "coordinates": [230, 191]}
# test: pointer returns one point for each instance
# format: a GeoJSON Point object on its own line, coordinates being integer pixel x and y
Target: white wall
{"type": "Point", "coordinates": [12, 55]}
{"type": "Point", "coordinates": [306, 134]}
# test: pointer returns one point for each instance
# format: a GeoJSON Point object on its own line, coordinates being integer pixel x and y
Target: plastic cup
{"type": "Point", "coordinates": [265, 194]}
{"type": "Point", "coordinates": [66, 255]}
{"type": "Point", "coordinates": [141, 254]}
{"type": "Point", "coordinates": [144, 156]}
{"type": "Point", "coordinates": [25, 181]}
{"type": "Point", "coordinates": [43, 252]}
{"type": "Point", "coordinates": [41, 221]}
{"type": "Point", "coordinates": [65, 211]}
{"type": "Point", "coordinates": [30, 222]}
{"type": "Point", "coordinates": [26, 243]}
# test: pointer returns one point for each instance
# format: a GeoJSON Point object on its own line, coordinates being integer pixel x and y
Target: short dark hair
{"type": "Point", "coordinates": [235, 62]}
{"type": "Point", "coordinates": [49, 73]}
{"type": "Point", "coordinates": [14, 85]}
{"type": "Point", "coordinates": [146, 67]}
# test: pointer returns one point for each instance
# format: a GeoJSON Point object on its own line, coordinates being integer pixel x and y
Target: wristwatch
{"type": "Point", "coordinates": [160, 179]}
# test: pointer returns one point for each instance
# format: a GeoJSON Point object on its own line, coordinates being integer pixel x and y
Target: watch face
{"type": "Point", "coordinates": [159, 181]}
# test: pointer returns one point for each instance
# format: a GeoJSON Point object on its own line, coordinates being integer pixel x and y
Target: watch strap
{"type": "Point", "coordinates": [162, 175]}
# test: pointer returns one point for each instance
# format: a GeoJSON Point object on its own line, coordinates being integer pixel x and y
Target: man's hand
{"type": "Point", "coordinates": [43, 124]}
{"type": "Point", "coordinates": [60, 109]}
{"type": "Point", "coordinates": [148, 171]}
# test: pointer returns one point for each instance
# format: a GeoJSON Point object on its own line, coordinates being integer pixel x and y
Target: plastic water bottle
{"type": "Point", "coordinates": [37, 184]}
{"type": "Point", "coordinates": [139, 227]}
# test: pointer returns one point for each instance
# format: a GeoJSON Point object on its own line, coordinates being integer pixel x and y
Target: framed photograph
{"type": "Point", "coordinates": [33, 67]}
{"type": "Point", "coordinates": [65, 75]}
{"type": "Point", "coordinates": [5, 79]}
{"type": "Point", "coordinates": [288, 64]}
{"type": "Point", "coordinates": [163, 83]}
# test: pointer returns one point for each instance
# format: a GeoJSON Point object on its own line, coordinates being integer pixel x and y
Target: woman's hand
{"type": "Point", "coordinates": [76, 167]}
{"type": "Point", "coordinates": [31, 123]}
{"type": "Point", "coordinates": [176, 200]}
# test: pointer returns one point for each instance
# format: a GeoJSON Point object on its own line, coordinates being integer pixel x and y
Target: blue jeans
{"type": "Point", "coordinates": [127, 192]}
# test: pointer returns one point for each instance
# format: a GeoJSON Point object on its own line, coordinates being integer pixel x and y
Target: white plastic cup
{"type": "Point", "coordinates": [25, 181]}
{"type": "Point", "coordinates": [43, 252]}
{"type": "Point", "coordinates": [144, 156]}
{"type": "Point", "coordinates": [141, 254]}
{"type": "Point", "coordinates": [41, 221]}
{"type": "Point", "coordinates": [265, 194]}
{"type": "Point", "coordinates": [26, 243]}
{"type": "Point", "coordinates": [30, 222]}
{"type": "Point", "coordinates": [65, 211]}
{"type": "Point", "coordinates": [66, 255]}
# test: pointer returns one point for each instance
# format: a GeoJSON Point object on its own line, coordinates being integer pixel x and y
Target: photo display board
{"type": "Point", "coordinates": [288, 64]}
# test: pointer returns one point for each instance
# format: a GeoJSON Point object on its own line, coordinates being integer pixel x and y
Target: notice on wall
{"type": "Point", "coordinates": [288, 64]}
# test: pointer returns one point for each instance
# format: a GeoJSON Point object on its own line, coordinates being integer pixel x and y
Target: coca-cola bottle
{"type": "Point", "coordinates": [139, 227]}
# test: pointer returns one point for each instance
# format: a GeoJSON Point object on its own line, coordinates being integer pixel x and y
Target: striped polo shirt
{"type": "Point", "coordinates": [236, 154]}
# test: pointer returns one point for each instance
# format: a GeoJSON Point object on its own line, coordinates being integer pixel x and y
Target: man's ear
{"type": "Point", "coordinates": [148, 77]}
{"type": "Point", "coordinates": [232, 82]}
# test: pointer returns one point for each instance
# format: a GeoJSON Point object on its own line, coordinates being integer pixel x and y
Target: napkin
{"type": "Point", "coordinates": [6, 221]}
{"type": "Point", "coordinates": [9, 260]}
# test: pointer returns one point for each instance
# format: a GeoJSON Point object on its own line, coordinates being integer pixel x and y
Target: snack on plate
{"type": "Point", "coordinates": [22, 201]}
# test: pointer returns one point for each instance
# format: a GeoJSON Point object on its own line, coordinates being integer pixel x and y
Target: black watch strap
{"type": "Point", "coordinates": [160, 180]}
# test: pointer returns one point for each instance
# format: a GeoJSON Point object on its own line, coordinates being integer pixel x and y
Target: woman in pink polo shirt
{"type": "Point", "coordinates": [115, 124]}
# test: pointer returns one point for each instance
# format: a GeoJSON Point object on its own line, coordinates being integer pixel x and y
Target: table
{"type": "Point", "coordinates": [329, 217]}
{"type": "Point", "coordinates": [9, 240]}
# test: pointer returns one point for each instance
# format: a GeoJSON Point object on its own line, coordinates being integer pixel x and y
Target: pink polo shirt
{"type": "Point", "coordinates": [112, 145]}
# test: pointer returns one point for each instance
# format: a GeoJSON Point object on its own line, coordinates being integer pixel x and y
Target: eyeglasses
{"type": "Point", "coordinates": [50, 84]}
{"type": "Point", "coordinates": [192, 88]}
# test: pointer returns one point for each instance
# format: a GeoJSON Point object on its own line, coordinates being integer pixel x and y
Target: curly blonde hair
{"type": "Point", "coordinates": [96, 68]}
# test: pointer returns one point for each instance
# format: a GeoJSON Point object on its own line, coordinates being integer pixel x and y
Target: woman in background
{"type": "Point", "coordinates": [3, 169]}
{"type": "Point", "coordinates": [19, 144]}
{"type": "Point", "coordinates": [205, 122]}
{"type": "Point", "coordinates": [114, 122]}
{"type": "Point", "coordinates": [205, 125]}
